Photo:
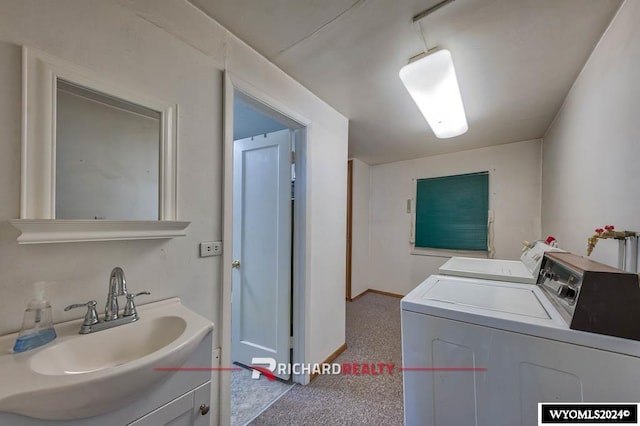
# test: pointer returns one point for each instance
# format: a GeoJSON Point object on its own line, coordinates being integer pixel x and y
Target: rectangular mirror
{"type": "Point", "coordinates": [107, 157]}
{"type": "Point", "coordinates": [98, 159]}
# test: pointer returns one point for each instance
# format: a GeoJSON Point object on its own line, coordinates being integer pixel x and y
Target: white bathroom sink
{"type": "Point", "coordinates": [83, 375]}
{"type": "Point", "coordinates": [108, 348]}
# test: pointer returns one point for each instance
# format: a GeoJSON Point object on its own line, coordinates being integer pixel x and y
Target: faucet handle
{"type": "Point", "coordinates": [91, 317]}
{"type": "Point", "coordinates": [130, 306]}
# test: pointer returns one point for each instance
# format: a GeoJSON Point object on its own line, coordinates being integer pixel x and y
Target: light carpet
{"type": "Point", "coordinates": [249, 396]}
{"type": "Point", "coordinates": [373, 336]}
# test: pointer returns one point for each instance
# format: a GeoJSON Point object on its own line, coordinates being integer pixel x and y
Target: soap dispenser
{"type": "Point", "coordinates": [37, 325]}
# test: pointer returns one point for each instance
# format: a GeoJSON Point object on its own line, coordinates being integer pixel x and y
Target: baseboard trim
{"type": "Point", "coordinates": [384, 293]}
{"type": "Point", "coordinates": [330, 358]}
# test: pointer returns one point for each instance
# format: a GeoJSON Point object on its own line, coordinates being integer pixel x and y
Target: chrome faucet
{"type": "Point", "coordinates": [117, 287]}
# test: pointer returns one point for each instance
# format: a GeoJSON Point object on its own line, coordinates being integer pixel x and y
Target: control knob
{"type": "Point", "coordinates": [566, 292]}
{"type": "Point", "coordinates": [548, 274]}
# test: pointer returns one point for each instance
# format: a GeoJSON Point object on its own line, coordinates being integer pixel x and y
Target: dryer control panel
{"type": "Point", "coordinates": [592, 296]}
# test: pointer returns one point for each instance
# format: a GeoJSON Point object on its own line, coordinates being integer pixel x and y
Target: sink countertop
{"type": "Point", "coordinates": [23, 384]}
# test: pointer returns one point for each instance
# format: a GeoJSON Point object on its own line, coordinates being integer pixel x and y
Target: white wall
{"type": "Point", "coordinates": [591, 151]}
{"type": "Point", "coordinates": [514, 185]}
{"type": "Point", "coordinates": [326, 175]}
{"type": "Point", "coordinates": [171, 50]}
{"type": "Point", "coordinates": [360, 241]}
{"type": "Point", "coordinates": [109, 39]}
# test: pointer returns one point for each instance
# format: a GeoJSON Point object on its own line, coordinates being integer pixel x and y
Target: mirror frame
{"type": "Point", "coordinates": [40, 73]}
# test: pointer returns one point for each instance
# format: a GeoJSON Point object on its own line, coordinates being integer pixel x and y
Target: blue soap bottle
{"type": "Point", "coordinates": [37, 325]}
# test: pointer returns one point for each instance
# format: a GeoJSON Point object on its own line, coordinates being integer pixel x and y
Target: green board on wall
{"type": "Point", "coordinates": [452, 212]}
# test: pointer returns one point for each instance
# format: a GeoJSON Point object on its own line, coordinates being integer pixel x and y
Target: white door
{"type": "Point", "coordinates": [261, 276]}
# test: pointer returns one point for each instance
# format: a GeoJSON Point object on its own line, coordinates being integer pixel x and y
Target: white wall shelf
{"type": "Point", "coordinates": [38, 231]}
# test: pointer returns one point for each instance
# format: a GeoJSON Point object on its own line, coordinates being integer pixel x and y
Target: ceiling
{"type": "Point", "coordinates": [249, 121]}
{"type": "Point", "coordinates": [515, 61]}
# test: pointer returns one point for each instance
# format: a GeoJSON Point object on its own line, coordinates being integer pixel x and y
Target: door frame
{"type": "Point", "coordinates": [349, 228]}
{"type": "Point", "coordinates": [231, 85]}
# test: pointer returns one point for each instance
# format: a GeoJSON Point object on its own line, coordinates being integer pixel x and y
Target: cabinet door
{"type": "Point", "coordinates": [201, 401]}
{"type": "Point", "coordinates": [182, 411]}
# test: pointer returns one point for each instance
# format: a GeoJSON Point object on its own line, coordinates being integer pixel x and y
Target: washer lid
{"type": "Point", "coordinates": [524, 270]}
{"type": "Point", "coordinates": [496, 269]}
{"type": "Point", "coordinates": [518, 300]}
{"type": "Point", "coordinates": [493, 304]}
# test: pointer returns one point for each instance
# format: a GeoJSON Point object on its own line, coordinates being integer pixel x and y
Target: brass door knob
{"type": "Point", "coordinates": [204, 409]}
{"type": "Point", "coordinates": [235, 264]}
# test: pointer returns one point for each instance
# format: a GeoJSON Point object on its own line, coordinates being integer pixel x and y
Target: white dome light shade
{"type": "Point", "coordinates": [431, 82]}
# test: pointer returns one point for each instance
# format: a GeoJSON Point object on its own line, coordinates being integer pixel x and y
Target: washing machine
{"type": "Point", "coordinates": [486, 352]}
{"type": "Point", "coordinates": [524, 270]}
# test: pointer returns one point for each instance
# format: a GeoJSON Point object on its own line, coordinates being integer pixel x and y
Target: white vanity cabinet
{"type": "Point", "coordinates": [191, 409]}
{"type": "Point", "coordinates": [175, 401]}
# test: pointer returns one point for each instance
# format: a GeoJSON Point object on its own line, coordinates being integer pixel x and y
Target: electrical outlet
{"type": "Point", "coordinates": [217, 248]}
{"type": "Point", "coordinates": [210, 248]}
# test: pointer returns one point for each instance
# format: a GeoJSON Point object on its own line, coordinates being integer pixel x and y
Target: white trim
{"type": "Point", "coordinates": [169, 163]}
{"type": "Point", "coordinates": [40, 74]}
{"type": "Point", "coordinates": [255, 93]}
{"type": "Point", "coordinates": [448, 253]}
{"type": "Point", "coordinates": [24, 183]}
{"type": "Point", "coordinates": [227, 241]}
{"type": "Point", "coordinates": [34, 231]}
{"type": "Point", "coordinates": [300, 281]}
{"type": "Point", "coordinates": [300, 326]}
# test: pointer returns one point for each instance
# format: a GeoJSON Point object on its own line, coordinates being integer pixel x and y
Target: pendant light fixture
{"type": "Point", "coordinates": [432, 83]}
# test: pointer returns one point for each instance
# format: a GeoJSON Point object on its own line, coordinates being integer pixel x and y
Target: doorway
{"type": "Point", "coordinates": [349, 229]}
{"type": "Point", "coordinates": [262, 239]}
{"type": "Point", "coordinates": [264, 252]}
